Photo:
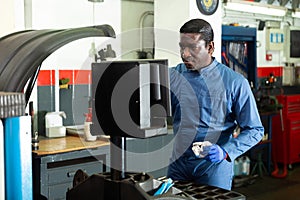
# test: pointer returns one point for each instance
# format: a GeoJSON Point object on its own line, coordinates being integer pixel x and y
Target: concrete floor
{"type": "Point", "coordinates": [268, 187]}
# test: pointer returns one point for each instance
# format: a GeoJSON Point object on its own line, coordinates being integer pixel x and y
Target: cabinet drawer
{"type": "Point", "coordinates": [293, 124]}
{"type": "Point", "coordinates": [291, 104]}
{"type": "Point", "coordinates": [58, 191]}
{"type": "Point", "coordinates": [294, 148]}
{"type": "Point", "coordinates": [66, 173]}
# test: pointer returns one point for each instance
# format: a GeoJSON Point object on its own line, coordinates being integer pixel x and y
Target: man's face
{"type": "Point", "coordinates": [193, 52]}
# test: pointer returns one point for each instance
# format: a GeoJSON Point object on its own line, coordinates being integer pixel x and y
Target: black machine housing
{"type": "Point", "coordinates": [130, 98]}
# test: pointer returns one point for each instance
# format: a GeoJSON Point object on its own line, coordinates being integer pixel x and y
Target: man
{"type": "Point", "coordinates": [209, 101]}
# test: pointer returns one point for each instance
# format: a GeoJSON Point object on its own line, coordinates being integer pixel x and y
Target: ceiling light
{"type": "Point", "coordinates": [254, 7]}
{"type": "Point", "coordinates": [95, 1]}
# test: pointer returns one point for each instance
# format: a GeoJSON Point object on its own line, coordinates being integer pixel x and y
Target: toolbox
{"type": "Point", "coordinates": [286, 131]}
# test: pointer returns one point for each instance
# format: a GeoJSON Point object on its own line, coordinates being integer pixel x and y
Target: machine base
{"type": "Point", "coordinates": [141, 186]}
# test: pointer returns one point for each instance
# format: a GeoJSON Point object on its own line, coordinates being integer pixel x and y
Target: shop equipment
{"type": "Point", "coordinates": [269, 105]}
{"type": "Point", "coordinates": [2, 175]}
{"type": "Point", "coordinates": [277, 172]}
{"type": "Point", "coordinates": [131, 99]}
{"type": "Point", "coordinates": [239, 51]}
{"type": "Point", "coordinates": [15, 148]}
{"type": "Point", "coordinates": [23, 52]}
{"type": "Point", "coordinates": [265, 95]}
{"type": "Point", "coordinates": [286, 132]}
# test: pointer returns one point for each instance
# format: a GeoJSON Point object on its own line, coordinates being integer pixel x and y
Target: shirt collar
{"type": "Point", "coordinates": [209, 67]}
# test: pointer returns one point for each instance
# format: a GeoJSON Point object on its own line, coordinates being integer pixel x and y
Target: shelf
{"type": "Point", "coordinates": [239, 49]}
{"type": "Point", "coordinates": [237, 62]}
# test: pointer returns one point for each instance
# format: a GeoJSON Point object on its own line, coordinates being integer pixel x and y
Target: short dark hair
{"type": "Point", "coordinates": [199, 26]}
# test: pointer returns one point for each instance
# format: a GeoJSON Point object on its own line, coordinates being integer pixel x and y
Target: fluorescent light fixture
{"type": "Point", "coordinates": [96, 1]}
{"type": "Point", "coordinates": [296, 13]}
{"type": "Point", "coordinates": [254, 7]}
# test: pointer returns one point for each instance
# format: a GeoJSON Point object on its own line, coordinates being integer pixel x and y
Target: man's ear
{"type": "Point", "coordinates": [211, 47]}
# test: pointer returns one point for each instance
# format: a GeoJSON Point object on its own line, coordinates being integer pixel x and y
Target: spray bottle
{"type": "Point", "coordinates": [87, 123]}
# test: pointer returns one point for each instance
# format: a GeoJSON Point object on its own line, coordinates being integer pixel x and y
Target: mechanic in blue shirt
{"type": "Point", "coordinates": [209, 100]}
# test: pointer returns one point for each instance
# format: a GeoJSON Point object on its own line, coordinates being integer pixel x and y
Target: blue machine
{"type": "Point", "coordinates": [18, 163]}
{"type": "Point", "coordinates": [2, 183]}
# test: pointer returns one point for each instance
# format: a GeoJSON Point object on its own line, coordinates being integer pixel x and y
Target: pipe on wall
{"type": "Point", "coordinates": [141, 25]}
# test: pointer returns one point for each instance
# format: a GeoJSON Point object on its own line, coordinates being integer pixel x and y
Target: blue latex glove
{"type": "Point", "coordinates": [215, 154]}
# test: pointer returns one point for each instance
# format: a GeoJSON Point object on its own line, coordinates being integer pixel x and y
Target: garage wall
{"type": "Point", "coordinates": [73, 60]}
{"type": "Point", "coordinates": [136, 15]}
{"type": "Point", "coordinates": [170, 16]}
{"type": "Point", "coordinates": [275, 65]}
{"type": "Point", "coordinates": [57, 14]}
{"type": "Point", "coordinates": [11, 16]}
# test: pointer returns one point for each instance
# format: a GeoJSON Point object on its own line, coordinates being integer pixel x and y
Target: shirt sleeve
{"type": "Point", "coordinates": [248, 118]}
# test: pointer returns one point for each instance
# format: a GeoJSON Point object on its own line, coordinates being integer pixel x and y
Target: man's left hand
{"type": "Point", "coordinates": [216, 154]}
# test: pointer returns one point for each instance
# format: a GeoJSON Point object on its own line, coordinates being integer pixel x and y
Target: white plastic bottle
{"type": "Point", "coordinates": [246, 166]}
{"type": "Point", "coordinates": [237, 170]}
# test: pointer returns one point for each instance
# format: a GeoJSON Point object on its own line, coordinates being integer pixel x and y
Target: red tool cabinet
{"type": "Point", "coordinates": [286, 132]}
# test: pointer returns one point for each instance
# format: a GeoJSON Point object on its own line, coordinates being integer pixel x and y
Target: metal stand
{"type": "Point", "coordinates": [259, 166]}
{"type": "Point", "coordinates": [118, 157]}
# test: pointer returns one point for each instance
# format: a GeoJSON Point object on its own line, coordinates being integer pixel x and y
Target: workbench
{"type": "Point", "coordinates": [57, 160]}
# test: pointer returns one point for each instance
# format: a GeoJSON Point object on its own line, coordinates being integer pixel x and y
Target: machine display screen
{"type": "Point", "coordinates": [130, 98]}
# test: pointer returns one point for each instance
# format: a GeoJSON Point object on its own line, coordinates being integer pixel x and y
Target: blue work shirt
{"type": "Point", "coordinates": [207, 105]}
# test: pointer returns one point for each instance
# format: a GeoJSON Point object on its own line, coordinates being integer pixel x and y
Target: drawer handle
{"type": "Point", "coordinates": [71, 174]}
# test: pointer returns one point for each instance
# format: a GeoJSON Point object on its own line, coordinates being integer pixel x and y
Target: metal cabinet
{"type": "Point", "coordinates": [53, 174]}
{"type": "Point", "coordinates": [239, 51]}
{"type": "Point", "coordinates": [286, 131]}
